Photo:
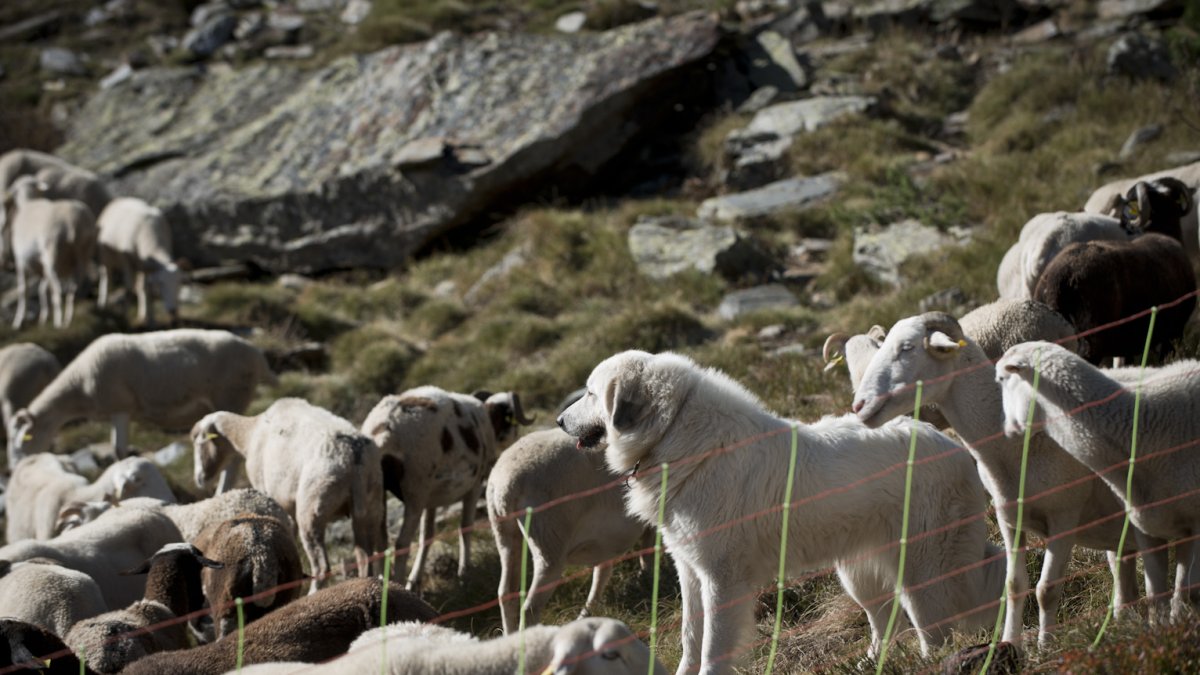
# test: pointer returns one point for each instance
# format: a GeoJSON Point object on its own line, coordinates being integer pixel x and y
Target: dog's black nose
{"type": "Point", "coordinates": [560, 423]}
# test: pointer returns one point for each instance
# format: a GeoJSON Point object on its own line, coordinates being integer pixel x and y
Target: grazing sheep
{"type": "Point", "coordinates": [45, 593]}
{"type": "Point", "coordinates": [315, 628]}
{"type": "Point", "coordinates": [167, 378]}
{"type": "Point", "coordinates": [592, 530]}
{"type": "Point", "coordinates": [1107, 200]}
{"type": "Point", "coordinates": [51, 237]}
{"type": "Point", "coordinates": [1098, 282]}
{"type": "Point", "coordinates": [25, 370]}
{"type": "Point", "coordinates": [959, 378]}
{"type": "Point", "coordinates": [724, 535]}
{"type": "Point", "coordinates": [116, 541]}
{"type": "Point", "coordinates": [42, 484]}
{"type": "Point", "coordinates": [314, 463]}
{"type": "Point", "coordinates": [191, 519]}
{"type": "Point", "coordinates": [1041, 239]}
{"type": "Point", "coordinates": [582, 647]}
{"type": "Point", "coordinates": [437, 449]}
{"type": "Point", "coordinates": [26, 643]}
{"type": "Point", "coordinates": [110, 641]}
{"type": "Point", "coordinates": [1090, 414]}
{"type": "Point", "coordinates": [135, 240]}
{"type": "Point", "coordinates": [72, 182]}
{"type": "Point", "coordinates": [258, 554]}
{"type": "Point", "coordinates": [17, 163]}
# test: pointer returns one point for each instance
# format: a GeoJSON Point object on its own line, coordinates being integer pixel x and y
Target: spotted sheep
{"type": "Point", "coordinates": [437, 448]}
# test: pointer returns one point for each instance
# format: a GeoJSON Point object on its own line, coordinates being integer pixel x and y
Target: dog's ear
{"type": "Point", "coordinates": [626, 398]}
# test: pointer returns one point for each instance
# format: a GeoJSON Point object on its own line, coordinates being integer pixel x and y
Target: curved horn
{"type": "Point", "coordinates": [835, 345]}
{"type": "Point", "coordinates": [1144, 207]}
{"type": "Point", "coordinates": [518, 412]}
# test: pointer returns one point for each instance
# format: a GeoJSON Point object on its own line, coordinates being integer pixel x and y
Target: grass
{"type": "Point", "coordinates": [1036, 135]}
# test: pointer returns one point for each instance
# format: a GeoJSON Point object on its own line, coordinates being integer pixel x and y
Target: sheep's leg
{"type": "Point", "coordinates": [601, 574]}
{"type": "Point", "coordinates": [1187, 579]}
{"type": "Point", "coordinates": [102, 290]}
{"type": "Point", "coordinates": [19, 317]}
{"type": "Point", "coordinates": [139, 288]}
{"type": "Point", "coordinates": [424, 539]}
{"type": "Point", "coordinates": [464, 532]}
{"type": "Point", "coordinates": [728, 620]}
{"type": "Point", "coordinates": [693, 618]}
{"type": "Point", "coordinates": [120, 435]}
{"type": "Point", "coordinates": [1124, 584]}
{"type": "Point", "coordinates": [56, 298]}
{"type": "Point", "coordinates": [1014, 569]}
{"type": "Point", "coordinates": [408, 530]}
{"type": "Point", "coordinates": [874, 594]}
{"type": "Point", "coordinates": [508, 539]}
{"type": "Point", "coordinates": [1158, 586]}
{"type": "Point", "coordinates": [312, 538]}
{"type": "Point", "coordinates": [69, 292]}
{"type": "Point", "coordinates": [546, 575]}
{"type": "Point", "coordinates": [43, 300]}
{"type": "Point", "coordinates": [1050, 587]}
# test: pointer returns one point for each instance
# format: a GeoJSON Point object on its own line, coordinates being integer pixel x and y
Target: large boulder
{"type": "Point", "coordinates": [365, 161]}
{"type": "Point", "coordinates": [880, 251]}
{"type": "Point", "coordinates": [785, 196]}
{"type": "Point", "coordinates": [668, 245]}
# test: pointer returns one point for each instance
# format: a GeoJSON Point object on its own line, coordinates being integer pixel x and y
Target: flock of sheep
{"type": "Point", "coordinates": [88, 564]}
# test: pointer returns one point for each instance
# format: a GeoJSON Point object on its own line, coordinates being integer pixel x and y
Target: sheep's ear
{"type": "Point", "coordinates": [482, 394]}
{"type": "Point", "coordinates": [626, 399]}
{"type": "Point", "coordinates": [942, 346]}
{"type": "Point", "coordinates": [877, 333]}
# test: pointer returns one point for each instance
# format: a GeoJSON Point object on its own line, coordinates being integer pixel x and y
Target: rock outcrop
{"type": "Point", "coordinates": [365, 161]}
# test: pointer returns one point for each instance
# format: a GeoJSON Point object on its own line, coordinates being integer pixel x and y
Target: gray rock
{"type": "Point", "coordinates": [1123, 9]}
{"type": "Point", "coordinates": [1140, 57]}
{"type": "Point", "coordinates": [212, 35]}
{"type": "Point", "coordinates": [289, 23]}
{"type": "Point", "coordinates": [319, 5]}
{"type": "Point", "coordinates": [770, 296]}
{"type": "Point", "coordinates": [792, 194]}
{"type": "Point", "coordinates": [1182, 157]}
{"type": "Point", "coordinates": [206, 11]}
{"type": "Point", "coordinates": [113, 9]}
{"type": "Point", "coordinates": [952, 300]}
{"type": "Point", "coordinates": [761, 98]}
{"type": "Point", "coordinates": [1137, 138]}
{"type": "Point", "coordinates": [172, 453]}
{"type": "Point", "coordinates": [571, 22]}
{"type": "Point", "coordinates": [295, 173]}
{"type": "Point", "coordinates": [356, 12]}
{"type": "Point", "coordinates": [986, 12]}
{"type": "Point", "coordinates": [1042, 31]}
{"type": "Point", "coordinates": [249, 25]}
{"type": "Point", "coordinates": [122, 73]}
{"type": "Point", "coordinates": [666, 246]}
{"type": "Point", "coordinates": [35, 26]}
{"type": "Point", "coordinates": [881, 251]}
{"type": "Point", "coordinates": [790, 76]}
{"type": "Point", "coordinates": [60, 61]}
{"type": "Point", "coordinates": [510, 262]}
{"type": "Point", "coordinates": [289, 52]}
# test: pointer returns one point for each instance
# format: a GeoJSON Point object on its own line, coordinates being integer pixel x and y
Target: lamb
{"type": "Point", "coordinates": [314, 463]}
{"type": "Point", "coordinates": [25, 369]}
{"type": "Point", "coordinates": [315, 628]}
{"type": "Point", "coordinates": [136, 241]}
{"type": "Point", "coordinates": [1098, 282]}
{"type": "Point", "coordinates": [25, 643]}
{"type": "Point", "coordinates": [167, 378]}
{"type": "Point", "coordinates": [118, 540]}
{"type": "Point", "coordinates": [191, 519]}
{"type": "Point", "coordinates": [437, 449]}
{"type": "Point", "coordinates": [540, 468]}
{"type": "Point", "coordinates": [72, 182]}
{"type": "Point", "coordinates": [580, 647]}
{"type": "Point", "coordinates": [17, 163]}
{"type": "Point", "coordinates": [959, 379]}
{"type": "Point", "coordinates": [258, 554]}
{"type": "Point", "coordinates": [111, 640]}
{"type": "Point", "coordinates": [1107, 200]}
{"type": "Point", "coordinates": [54, 238]}
{"type": "Point", "coordinates": [45, 593]}
{"type": "Point", "coordinates": [1090, 414]}
{"type": "Point", "coordinates": [42, 484]}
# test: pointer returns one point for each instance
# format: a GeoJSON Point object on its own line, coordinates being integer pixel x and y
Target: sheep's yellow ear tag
{"type": "Point", "coordinates": [962, 343]}
{"type": "Point", "coordinates": [210, 436]}
{"type": "Point", "coordinates": [27, 437]}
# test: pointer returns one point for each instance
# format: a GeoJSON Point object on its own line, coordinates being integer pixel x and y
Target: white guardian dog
{"type": "Point", "coordinates": [727, 474]}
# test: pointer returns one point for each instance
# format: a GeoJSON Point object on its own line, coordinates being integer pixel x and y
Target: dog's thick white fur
{"type": "Point", "coordinates": [664, 408]}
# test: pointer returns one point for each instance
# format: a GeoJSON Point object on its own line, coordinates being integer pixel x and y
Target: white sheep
{"type": "Point", "coordinates": [437, 449]}
{"type": "Point", "coordinates": [314, 463]}
{"type": "Point", "coordinates": [45, 593]}
{"type": "Point", "coordinates": [1041, 239]}
{"type": "Point", "coordinates": [25, 370]}
{"type": "Point", "coordinates": [54, 238]}
{"type": "Point", "coordinates": [191, 519]}
{"type": "Point", "coordinates": [591, 530]}
{"type": "Point", "coordinates": [1090, 414]}
{"type": "Point", "coordinates": [41, 485]}
{"type": "Point", "coordinates": [72, 182]}
{"type": "Point", "coordinates": [591, 646]}
{"type": "Point", "coordinates": [168, 379]}
{"type": "Point", "coordinates": [17, 163]}
{"type": "Point", "coordinates": [1106, 199]}
{"type": "Point", "coordinates": [135, 240]}
{"type": "Point", "coordinates": [112, 640]}
{"type": "Point", "coordinates": [959, 378]}
{"type": "Point", "coordinates": [116, 541]}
